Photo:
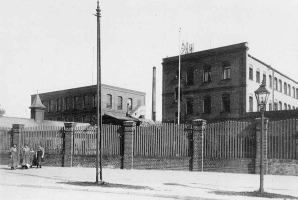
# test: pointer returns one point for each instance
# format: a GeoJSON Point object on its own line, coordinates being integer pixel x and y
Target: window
{"type": "Point", "coordinates": [289, 107]}
{"type": "Point", "coordinates": [49, 107]}
{"type": "Point", "coordinates": [189, 106]}
{"type": "Point", "coordinates": [285, 88]}
{"type": "Point", "coordinates": [250, 103]}
{"type": "Point", "coordinates": [275, 84]}
{"type": "Point", "coordinates": [280, 105]}
{"type": "Point", "coordinates": [270, 81]}
{"type": "Point", "coordinates": [264, 78]}
{"type": "Point", "coordinates": [207, 105]}
{"type": "Point", "coordinates": [76, 103]}
{"type": "Point", "coordinates": [207, 74]}
{"type": "Point", "coordinates": [296, 93]}
{"type": "Point", "coordinates": [67, 103]}
{"type": "Point", "coordinates": [226, 103]}
{"type": "Point", "coordinates": [129, 104]}
{"type": "Point", "coordinates": [85, 100]}
{"type": "Point", "coordinates": [250, 76]}
{"type": "Point", "coordinates": [58, 107]}
{"type": "Point", "coordinates": [289, 90]}
{"type": "Point", "coordinates": [275, 106]}
{"type": "Point", "coordinates": [119, 104]}
{"type": "Point", "coordinates": [94, 100]}
{"type": "Point", "coordinates": [258, 76]}
{"type": "Point", "coordinates": [177, 75]}
{"type": "Point", "coordinates": [285, 106]}
{"type": "Point", "coordinates": [226, 71]}
{"type": "Point", "coordinates": [189, 76]}
{"type": "Point", "coordinates": [270, 106]}
{"type": "Point", "coordinates": [109, 101]}
{"type": "Point", "coordinates": [176, 93]}
{"type": "Point", "coordinates": [280, 85]}
{"type": "Point", "coordinates": [52, 105]}
{"type": "Point", "coordinates": [293, 107]}
{"type": "Point", "coordinates": [293, 92]}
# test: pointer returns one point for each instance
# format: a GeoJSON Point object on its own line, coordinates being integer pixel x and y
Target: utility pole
{"type": "Point", "coordinates": [99, 134]}
{"type": "Point", "coordinates": [179, 75]}
{"type": "Point", "coordinates": [153, 116]}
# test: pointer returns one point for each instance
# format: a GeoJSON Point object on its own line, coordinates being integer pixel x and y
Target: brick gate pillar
{"type": "Point", "coordinates": [16, 137]}
{"type": "Point", "coordinates": [198, 128]}
{"type": "Point", "coordinates": [258, 145]}
{"type": "Point", "coordinates": [129, 127]}
{"type": "Point", "coordinates": [69, 143]}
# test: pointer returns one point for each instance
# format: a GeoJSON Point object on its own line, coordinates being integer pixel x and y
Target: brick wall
{"type": "Point", "coordinates": [283, 167]}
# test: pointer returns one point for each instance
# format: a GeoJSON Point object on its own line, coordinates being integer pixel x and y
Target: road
{"type": "Point", "coordinates": [27, 193]}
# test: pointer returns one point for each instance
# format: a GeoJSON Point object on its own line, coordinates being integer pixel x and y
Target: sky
{"type": "Point", "coordinates": [51, 45]}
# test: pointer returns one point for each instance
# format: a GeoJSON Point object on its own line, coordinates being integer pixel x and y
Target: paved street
{"type": "Point", "coordinates": [141, 184]}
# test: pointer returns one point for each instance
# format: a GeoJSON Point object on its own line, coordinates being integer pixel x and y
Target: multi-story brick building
{"type": "Point", "coordinates": [80, 104]}
{"type": "Point", "coordinates": [220, 83]}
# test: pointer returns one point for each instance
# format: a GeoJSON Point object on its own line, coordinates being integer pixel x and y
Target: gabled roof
{"type": "Point", "coordinates": [37, 103]}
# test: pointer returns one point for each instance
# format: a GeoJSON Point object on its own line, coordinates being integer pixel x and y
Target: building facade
{"type": "Point", "coordinates": [80, 104]}
{"type": "Point", "coordinates": [220, 83]}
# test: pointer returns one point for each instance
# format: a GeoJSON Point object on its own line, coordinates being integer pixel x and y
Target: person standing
{"type": "Point", "coordinates": [13, 157]}
{"type": "Point", "coordinates": [39, 156]}
{"type": "Point", "coordinates": [32, 154]}
{"type": "Point", "coordinates": [26, 157]}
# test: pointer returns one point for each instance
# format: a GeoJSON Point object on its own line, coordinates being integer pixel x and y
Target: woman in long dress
{"type": "Point", "coordinates": [39, 156]}
{"type": "Point", "coordinates": [13, 157]}
{"type": "Point", "coordinates": [32, 155]}
{"type": "Point", "coordinates": [26, 157]}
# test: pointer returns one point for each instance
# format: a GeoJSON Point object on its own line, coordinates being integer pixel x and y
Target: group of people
{"type": "Point", "coordinates": [28, 157]}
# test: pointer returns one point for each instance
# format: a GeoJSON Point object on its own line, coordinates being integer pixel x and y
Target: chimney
{"type": "Point", "coordinates": [37, 109]}
{"type": "Point", "coordinates": [153, 115]}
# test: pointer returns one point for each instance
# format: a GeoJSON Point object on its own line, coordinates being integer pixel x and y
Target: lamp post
{"type": "Point", "coordinates": [262, 95]}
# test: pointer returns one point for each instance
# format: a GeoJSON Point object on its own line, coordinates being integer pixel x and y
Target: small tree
{"type": "Point", "coordinates": [2, 111]}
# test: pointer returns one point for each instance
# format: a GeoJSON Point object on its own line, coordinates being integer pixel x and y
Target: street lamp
{"type": "Point", "coordinates": [262, 95]}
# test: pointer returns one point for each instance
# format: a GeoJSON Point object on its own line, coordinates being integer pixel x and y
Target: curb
{"type": "Point", "coordinates": [150, 194]}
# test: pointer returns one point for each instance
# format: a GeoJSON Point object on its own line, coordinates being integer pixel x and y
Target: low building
{"type": "Point", "coordinates": [220, 83]}
{"type": "Point", "coordinates": [80, 104]}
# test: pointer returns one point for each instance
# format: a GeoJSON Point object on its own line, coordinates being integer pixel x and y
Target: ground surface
{"type": "Point", "coordinates": [141, 184]}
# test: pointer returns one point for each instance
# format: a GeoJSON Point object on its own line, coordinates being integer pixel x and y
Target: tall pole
{"type": "Point", "coordinates": [179, 79]}
{"type": "Point", "coordinates": [153, 117]}
{"type": "Point", "coordinates": [99, 135]}
{"type": "Point", "coordinates": [261, 149]}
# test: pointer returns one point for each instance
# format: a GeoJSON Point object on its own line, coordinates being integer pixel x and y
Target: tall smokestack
{"type": "Point", "coordinates": [153, 116]}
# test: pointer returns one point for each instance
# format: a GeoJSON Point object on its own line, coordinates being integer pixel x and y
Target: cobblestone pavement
{"type": "Point", "coordinates": [155, 183]}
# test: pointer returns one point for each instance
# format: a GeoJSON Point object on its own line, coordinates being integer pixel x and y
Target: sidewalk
{"type": "Point", "coordinates": [171, 184]}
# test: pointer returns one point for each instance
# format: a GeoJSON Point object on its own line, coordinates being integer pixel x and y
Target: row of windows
{"type": "Point", "coordinates": [225, 104]}
{"type": "Point", "coordinates": [82, 102]}
{"type": "Point", "coordinates": [275, 106]}
{"type": "Point", "coordinates": [277, 84]}
{"type": "Point", "coordinates": [226, 74]}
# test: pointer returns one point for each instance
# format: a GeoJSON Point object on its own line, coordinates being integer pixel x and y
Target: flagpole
{"type": "Point", "coordinates": [179, 75]}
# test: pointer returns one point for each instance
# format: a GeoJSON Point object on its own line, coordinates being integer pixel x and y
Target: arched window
{"type": "Point", "coordinates": [264, 77]}
{"type": "Point", "coordinates": [119, 104]}
{"type": "Point", "coordinates": [280, 105]}
{"type": "Point", "coordinates": [289, 90]}
{"type": "Point", "coordinates": [109, 101]}
{"type": "Point", "coordinates": [275, 83]}
{"type": "Point", "coordinates": [280, 85]}
{"type": "Point", "coordinates": [289, 107]}
{"type": "Point", "coordinates": [129, 104]}
{"type": "Point", "coordinates": [285, 106]}
{"type": "Point", "coordinates": [293, 88]}
{"type": "Point", "coordinates": [275, 105]}
{"type": "Point", "coordinates": [285, 88]}
{"type": "Point", "coordinates": [251, 72]}
{"type": "Point", "coordinates": [270, 106]}
{"type": "Point", "coordinates": [270, 81]}
{"type": "Point", "coordinates": [250, 100]}
{"type": "Point", "coordinates": [258, 76]}
{"type": "Point", "coordinates": [207, 104]}
{"type": "Point", "coordinates": [207, 74]}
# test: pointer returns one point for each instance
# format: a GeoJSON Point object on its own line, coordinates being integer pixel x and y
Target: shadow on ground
{"type": "Point", "coordinates": [107, 185]}
{"type": "Point", "coordinates": [253, 194]}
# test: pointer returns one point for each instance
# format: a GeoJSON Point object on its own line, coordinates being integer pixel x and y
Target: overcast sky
{"type": "Point", "coordinates": [51, 45]}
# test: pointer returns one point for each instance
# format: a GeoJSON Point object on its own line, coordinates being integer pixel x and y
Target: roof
{"type": "Point", "coordinates": [9, 121]}
{"type": "Point", "coordinates": [37, 103]}
{"type": "Point", "coordinates": [121, 118]}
